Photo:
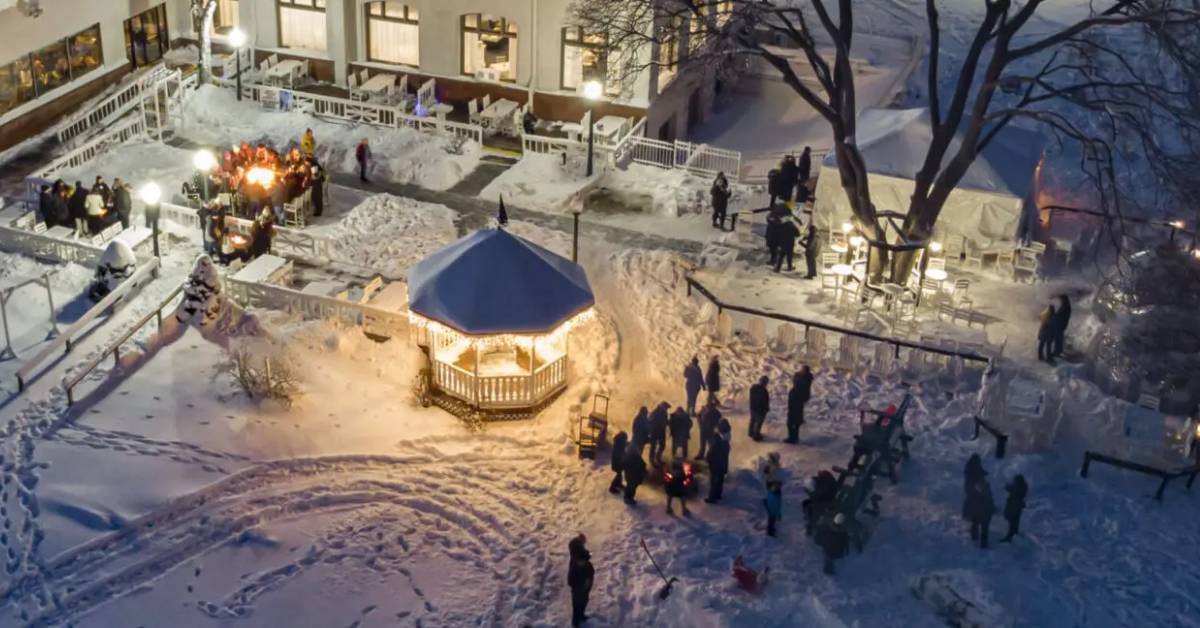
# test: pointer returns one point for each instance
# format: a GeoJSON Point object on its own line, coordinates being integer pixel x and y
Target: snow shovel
{"type": "Point", "coordinates": [664, 592]}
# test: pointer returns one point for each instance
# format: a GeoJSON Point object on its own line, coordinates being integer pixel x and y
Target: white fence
{"type": "Point", "coordinates": [362, 112]}
{"type": "Point", "coordinates": [116, 105]}
{"type": "Point", "coordinates": [68, 337]}
{"type": "Point", "coordinates": [373, 320]}
{"type": "Point", "coordinates": [63, 250]}
{"type": "Point", "coordinates": [500, 391]}
{"type": "Point", "coordinates": [707, 160]}
{"type": "Point", "coordinates": [286, 241]}
{"type": "Point", "coordinates": [134, 127]}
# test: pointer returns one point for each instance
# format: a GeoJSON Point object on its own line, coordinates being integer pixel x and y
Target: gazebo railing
{"type": "Point", "coordinates": [500, 391]}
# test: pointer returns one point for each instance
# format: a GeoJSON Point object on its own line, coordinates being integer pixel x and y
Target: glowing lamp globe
{"type": "Point", "coordinates": [150, 193]}
{"type": "Point", "coordinates": [936, 247]}
{"type": "Point", "coordinates": [237, 38]}
{"type": "Point", "coordinates": [204, 161]}
{"type": "Point", "coordinates": [593, 90]}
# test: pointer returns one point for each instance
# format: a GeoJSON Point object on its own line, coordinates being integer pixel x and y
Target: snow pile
{"type": "Point", "coordinates": [116, 264]}
{"type": "Point", "coordinates": [403, 155]}
{"type": "Point", "coordinates": [137, 163]}
{"type": "Point", "coordinates": [959, 599]}
{"type": "Point", "coordinates": [539, 181]}
{"type": "Point", "coordinates": [388, 234]}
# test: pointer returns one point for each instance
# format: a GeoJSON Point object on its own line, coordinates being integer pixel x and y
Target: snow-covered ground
{"type": "Point", "coordinates": [215, 117]}
{"type": "Point", "coordinates": [356, 238]}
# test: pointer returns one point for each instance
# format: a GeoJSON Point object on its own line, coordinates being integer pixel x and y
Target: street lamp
{"type": "Point", "coordinates": [151, 194]}
{"type": "Point", "coordinates": [592, 91]}
{"type": "Point", "coordinates": [204, 161]}
{"type": "Point", "coordinates": [237, 39]}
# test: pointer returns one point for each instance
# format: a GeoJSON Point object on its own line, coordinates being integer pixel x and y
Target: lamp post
{"type": "Point", "coordinates": [237, 39]}
{"type": "Point", "coordinates": [592, 91]}
{"type": "Point", "coordinates": [151, 194]}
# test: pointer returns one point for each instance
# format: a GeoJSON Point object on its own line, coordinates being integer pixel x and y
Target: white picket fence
{"type": "Point", "coordinates": [362, 112]}
{"type": "Point", "coordinates": [286, 241]}
{"type": "Point", "coordinates": [373, 320]}
{"type": "Point", "coordinates": [134, 127]}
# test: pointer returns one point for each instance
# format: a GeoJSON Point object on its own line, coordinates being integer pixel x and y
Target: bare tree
{"type": "Point", "coordinates": [1070, 80]}
{"type": "Point", "coordinates": [202, 17]}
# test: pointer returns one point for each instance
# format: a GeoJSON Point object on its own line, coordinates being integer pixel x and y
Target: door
{"type": "Point", "coordinates": [695, 114]}
{"type": "Point", "coordinates": [146, 37]}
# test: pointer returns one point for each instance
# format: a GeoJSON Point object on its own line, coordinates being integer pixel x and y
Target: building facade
{"type": "Point", "coordinates": [518, 49]}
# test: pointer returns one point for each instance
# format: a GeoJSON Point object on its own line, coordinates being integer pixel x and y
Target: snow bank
{"type": "Point", "coordinates": [960, 599]}
{"type": "Point", "coordinates": [214, 116]}
{"type": "Point", "coordinates": [539, 181]}
{"type": "Point", "coordinates": [389, 234]}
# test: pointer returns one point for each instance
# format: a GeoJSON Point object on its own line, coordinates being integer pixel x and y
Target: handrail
{"type": "Point", "coordinates": [115, 105]}
{"type": "Point", "coordinates": [1166, 476]}
{"type": "Point", "coordinates": [67, 338]}
{"type": "Point", "coordinates": [1001, 437]}
{"type": "Point", "coordinates": [897, 343]}
{"type": "Point", "coordinates": [114, 348]}
{"type": "Point", "coordinates": [299, 241]}
{"type": "Point", "coordinates": [549, 364]}
{"type": "Point", "coordinates": [85, 153]}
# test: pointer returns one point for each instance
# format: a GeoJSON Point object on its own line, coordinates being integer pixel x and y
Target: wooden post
{"type": "Point", "coordinates": [532, 367]}
{"type": "Point", "coordinates": [476, 382]}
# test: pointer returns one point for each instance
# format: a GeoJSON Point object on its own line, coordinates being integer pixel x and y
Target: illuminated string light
{"type": "Point", "coordinates": [488, 341]}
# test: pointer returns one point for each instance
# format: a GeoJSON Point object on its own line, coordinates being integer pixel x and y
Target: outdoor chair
{"type": "Point", "coordinates": [953, 250]}
{"type": "Point", "coordinates": [931, 291]}
{"type": "Point", "coordinates": [273, 60]}
{"type": "Point", "coordinates": [884, 365]}
{"type": "Point", "coordinates": [363, 76]}
{"type": "Point", "coordinates": [707, 313]}
{"type": "Point", "coordinates": [487, 100]}
{"type": "Point", "coordinates": [961, 286]}
{"type": "Point", "coordinates": [847, 354]}
{"type": "Point", "coordinates": [1038, 248]}
{"type": "Point", "coordinates": [1026, 264]}
{"type": "Point", "coordinates": [756, 333]}
{"type": "Point", "coordinates": [814, 347]}
{"type": "Point", "coordinates": [355, 92]}
{"type": "Point", "coordinates": [389, 94]}
{"type": "Point", "coordinates": [473, 111]}
{"type": "Point", "coordinates": [973, 256]}
{"type": "Point", "coordinates": [724, 328]}
{"type": "Point", "coordinates": [1006, 258]}
{"type": "Point", "coordinates": [936, 263]}
{"type": "Point", "coordinates": [785, 339]}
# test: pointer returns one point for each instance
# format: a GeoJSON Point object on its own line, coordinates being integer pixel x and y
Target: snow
{"type": "Point", "coordinates": [373, 234]}
{"type": "Point", "coordinates": [214, 116]}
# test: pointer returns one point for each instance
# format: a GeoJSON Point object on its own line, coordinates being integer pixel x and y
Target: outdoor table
{"type": "Point", "coordinates": [441, 110]}
{"type": "Point", "coordinates": [264, 269]}
{"type": "Point", "coordinates": [377, 85]}
{"type": "Point", "coordinates": [843, 272]}
{"type": "Point", "coordinates": [323, 288]}
{"type": "Point", "coordinates": [134, 236]}
{"type": "Point", "coordinates": [891, 291]}
{"type": "Point", "coordinates": [498, 114]}
{"type": "Point", "coordinates": [288, 68]}
{"type": "Point", "coordinates": [606, 128]}
{"type": "Point", "coordinates": [60, 232]}
{"type": "Point", "coordinates": [936, 274]}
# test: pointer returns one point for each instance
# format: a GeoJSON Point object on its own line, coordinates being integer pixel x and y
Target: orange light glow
{"type": "Point", "coordinates": [261, 176]}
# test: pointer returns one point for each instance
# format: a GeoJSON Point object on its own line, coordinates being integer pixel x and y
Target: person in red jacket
{"type": "Point", "coordinates": [748, 579]}
{"type": "Point", "coordinates": [363, 155]}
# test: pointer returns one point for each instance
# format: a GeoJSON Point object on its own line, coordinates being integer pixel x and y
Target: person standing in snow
{"type": "Point", "coordinates": [693, 383]}
{"type": "Point", "coordinates": [363, 155]}
{"type": "Point", "coordinates": [803, 174]}
{"type": "Point", "coordinates": [720, 199]}
{"type": "Point", "coordinates": [820, 500]}
{"type": "Point", "coordinates": [834, 541]}
{"type": "Point", "coordinates": [681, 433]}
{"type": "Point", "coordinates": [580, 575]}
{"type": "Point", "coordinates": [77, 207]}
{"type": "Point", "coordinates": [635, 474]}
{"type": "Point", "coordinates": [641, 431]}
{"type": "Point", "coordinates": [770, 469]}
{"type": "Point", "coordinates": [760, 405]}
{"type": "Point", "coordinates": [676, 487]}
{"type": "Point", "coordinates": [94, 202]}
{"type": "Point", "coordinates": [718, 462]}
{"type": "Point", "coordinates": [712, 379]}
{"type": "Point", "coordinates": [789, 174]}
{"type": "Point", "coordinates": [1014, 505]}
{"type": "Point", "coordinates": [709, 417]}
{"type": "Point", "coordinates": [812, 249]}
{"type": "Point", "coordinates": [1046, 331]}
{"type": "Point", "coordinates": [773, 183]}
{"type": "Point", "coordinates": [798, 396]}
{"type": "Point", "coordinates": [618, 461]}
{"type": "Point", "coordinates": [774, 504]}
{"type": "Point", "coordinates": [1062, 318]}
{"type": "Point", "coordinates": [308, 143]}
{"type": "Point", "coordinates": [658, 433]}
{"type": "Point", "coordinates": [786, 239]}
{"type": "Point", "coordinates": [972, 473]}
{"type": "Point", "coordinates": [980, 507]}
{"type": "Point", "coordinates": [773, 235]}
{"type": "Point", "coordinates": [122, 203]}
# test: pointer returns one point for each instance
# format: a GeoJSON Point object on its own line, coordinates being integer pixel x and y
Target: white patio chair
{"type": "Point", "coordinates": [473, 111]}
{"type": "Point", "coordinates": [355, 92]}
{"type": "Point", "coordinates": [389, 94]}
{"type": "Point", "coordinates": [1038, 248]}
{"type": "Point", "coordinates": [973, 256]}
{"type": "Point", "coordinates": [363, 76]}
{"type": "Point", "coordinates": [274, 60]}
{"type": "Point", "coordinates": [936, 263]}
{"type": "Point", "coordinates": [847, 354]}
{"type": "Point", "coordinates": [884, 364]}
{"type": "Point", "coordinates": [961, 286]}
{"type": "Point", "coordinates": [724, 328]}
{"type": "Point", "coordinates": [487, 101]}
{"type": "Point", "coordinates": [931, 291]}
{"type": "Point", "coordinates": [814, 347]}
{"type": "Point", "coordinates": [707, 314]}
{"type": "Point", "coordinates": [1026, 264]}
{"type": "Point", "coordinates": [756, 333]}
{"type": "Point", "coordinates": [785, 338]}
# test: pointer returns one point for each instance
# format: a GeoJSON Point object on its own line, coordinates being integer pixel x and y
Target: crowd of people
{"type": "Point", "coordinates": [86, 211]}
{"type": "Point", "coordinates": [979, 506]}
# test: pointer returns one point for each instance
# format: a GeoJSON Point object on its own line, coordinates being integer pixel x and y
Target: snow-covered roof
{"type": "Point", "coordinates": [894, 143]}
{"type": "Point", "coordinates": [493, 282]}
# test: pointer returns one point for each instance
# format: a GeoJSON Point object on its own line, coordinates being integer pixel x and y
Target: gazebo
{"type": "Point", "coordinates": [493, 311]}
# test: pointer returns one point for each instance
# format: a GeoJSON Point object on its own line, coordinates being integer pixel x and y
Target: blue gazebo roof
{"type": "Point", "coordinates": [493, 282]}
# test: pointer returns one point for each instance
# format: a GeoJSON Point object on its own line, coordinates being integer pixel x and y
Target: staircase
{"type": "Point", "coordinates": [158, 94]}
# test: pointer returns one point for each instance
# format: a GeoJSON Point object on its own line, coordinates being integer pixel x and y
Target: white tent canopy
{"type": "Point", "coordinates": [986, 207]}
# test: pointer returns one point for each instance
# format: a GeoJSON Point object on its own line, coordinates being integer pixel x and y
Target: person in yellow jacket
{"type": "Point", "coordinates": [308, 143]}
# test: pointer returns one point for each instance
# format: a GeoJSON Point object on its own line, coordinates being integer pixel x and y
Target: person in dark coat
{"type": "Point", "coordinates": [972, 474]}
{"type": "Point", "coordinates": [760, 405]}
{"type": "Point", "coordinates": [789, 174]}
{"type": "Point", "coordinates": [788, 232]}
{"type": "Point", "coordinates": [122, 203]}
{"type": "Point", "coordinates": [804, 169]}
{"type": "Point", "coordinates": [77, 208]}
{"type": "Point", "coordinates": [709, 417]}
{"type": "Point", "coordinates": [774, 504]}
{"type": "Point", "coordinates": [676, 487]}
{"type": "Point", "coordinates": [980, 507]}
{"type": "Point", "coordinates": [772, 236]}
{"type": "Point", "coordinates": [834, 541]}
{"type": "Point", "coordinates": [712, 379]}
{"type": "Point", "coordinates": [529, 122]}
{"type": "Point", "coordinates": [812, 250]}
{"type": "Point", "coordinates": [798, 396]}
{"type": "Point", "coordinates": [362, 154]}
{"type": "Point", "coordinates": [580, 575]}
{"type": "Point", "coordinates": [318, 187]}
{"type": "Point", "coordinates": [635, 474]}
{"type": "Point", "coordinates": [1014, 505]}
{"type": "Point", "coordinates": [819, 501]}
{"type": "Point", "coordinates": [618, 461]}
{"type": "Point", "coordinates": [718, 463]}
{"type": "Point", "coordinates": [720, 199]}
{"type": "Point", "coordinates": [44, 205]}
{"type": "Point", "coordinates": [1062, 318]}
{"type": "Point", "coordinates": [101, 188]}
{"type": "Point", "coordinates": [681, 432]}
{"type": "Point", "coordinates": [658, 433]}
{"type": "Point", "coordinates": [641, 431]}
{"type": "Point", "coordinates": [773, 183]}
{"type": "Point", "coordinates": [1046, 334]}
{"type": "Point", "coordinates": [693, 383]}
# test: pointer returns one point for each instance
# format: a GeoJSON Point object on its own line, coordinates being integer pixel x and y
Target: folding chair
{"type": "Point", "coordinates": [961, 286]}
{"type": "Point", "coordinates": [814, 347]}
{"type": "Point", "coordinates": [973, 256]}
{"type": "Point", "coordinates": [274, 60]}
{"type": "Point", "coordinates": [473, 111]}
{"type": "Point", "coordinates": [355, 92]}
{"type": "Point", "coordinates": [363, 76]}
{"type": "Point", "coordinates": [487, 101]}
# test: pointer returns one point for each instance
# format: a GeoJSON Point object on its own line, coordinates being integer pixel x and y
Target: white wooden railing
{"type": "Point", "coordinates": [43, 246]}
{"type": "Point", "coordinates": [358, 111]}
{"type": "Point", "coordinates": [707, 160]}
{"type": "Point", "coordinates": [134, 127]}
{"type": "Point", "coordinates": [66, 340]}
{"type": "Point", "coordinates": [286, 241]}
{"type": "Point", "coordinates": [116, 105]}
{"type": "Point", "coordinates": [373, 320]}
{"type": "Point", "coordinates": [500, 391]}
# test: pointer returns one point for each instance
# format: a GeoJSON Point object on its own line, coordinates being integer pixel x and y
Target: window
{"type": "Point", "coordinates": [146, 39]}
{"type": "Point", "coordinates": [302, 24]}
{"type": "Point", "coordinates": [698, 33]}
{"type": "Point", "coordinates": [585, 58]}
{"type": "Point", "coordinates": [489, 45]}
{"type": "Point", "coordinates": [226, 17]}
{"type": "Point", "coordinates": [393, 33]}
{"type": "Point", "coordinates": [668, 51]}
{"type": "Point", "coordinates": [34, 74]}
{"type": "Point", "coordinates": [724, 11]}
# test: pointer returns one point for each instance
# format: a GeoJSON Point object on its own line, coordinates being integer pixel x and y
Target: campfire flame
{"type": "Point", "coordinates": [261, 176]}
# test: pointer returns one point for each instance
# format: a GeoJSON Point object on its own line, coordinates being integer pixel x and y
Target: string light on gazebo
{"type": "Point", "coordinates": [524, 341]}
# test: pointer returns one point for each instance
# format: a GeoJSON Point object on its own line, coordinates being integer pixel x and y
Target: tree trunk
{"type": "Point", "coordinates": [209, 7]}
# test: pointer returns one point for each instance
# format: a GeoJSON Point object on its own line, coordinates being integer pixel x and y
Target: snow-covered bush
{"type": "Point", "coordinates": [203, 298]}
{"type": "Point", "coordinates": [117, 264]}
{"type": "Point", "coordinates": [265, 370]}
